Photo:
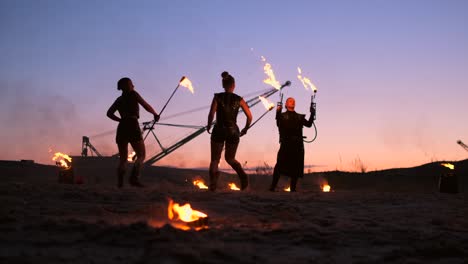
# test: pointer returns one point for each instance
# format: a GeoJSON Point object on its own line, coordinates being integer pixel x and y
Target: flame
{"type": "Point", "coordinates": [326, 188]}
{"type": "Point", "coordinates": [200, 184]}
{"type": "Point", "coordinates": [185, 213]}
{"type": "Point", "coordinates": [62, 159]}
{"type": "Point", "coordinates": [306, 81]}
{"type": "Point", "coordinates": [271, 80]}
{"type": "Point", "coordinates": [234, 187]}
{"type": "Point", "coordinates": [287, 189]}
{"type": "Point", "coordinates": [130, 156]}
{"type": "Point", "coordinates": [268, 105]}
{"type": "Point", "coordinates": [448, 165]}
{"type": "Point", "coordinates": [187, 84]}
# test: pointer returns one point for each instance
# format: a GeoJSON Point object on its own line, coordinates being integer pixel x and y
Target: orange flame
{"type": "Point", "coordinates": [287, 189]}
{"type": "Point", "coordinates": [448, 165]}
{"type": "Point", "coordinates": [62, 159]}
{"type": "Point", "coordinates": [268, 105]}
{"type": "Point", "coordinates": [200, 184]}
{"type": "Point", "coordinates": [130, 156]}
{"type": "Point", "coordinates": [271, 80]}
{"type": "Point", "coordinates": [306, 81]}
{"type": "Point", "coordinates": [234, 187]}
{"type": "Point", "coordinates": [326, 188]}
{"type": "Point", "coordinates": [187, 84]}
{"type": "Point", "coordinates": [184, 213]}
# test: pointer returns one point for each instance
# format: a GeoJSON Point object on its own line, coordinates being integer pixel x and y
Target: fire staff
{"type": "Point", "coordinates": [290, 159]}
{"type": "Point", "coordinates": [226, 132]}
{"type": "Point", "coordinates": [128, 130]}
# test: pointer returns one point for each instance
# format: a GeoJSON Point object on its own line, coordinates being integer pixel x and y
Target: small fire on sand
{"type": "Point", "coordinates": [131, 156]}
{"type": "Point", "coordinates": [233, 186]}
{"type": "Point", "coordinates": [62, 160]}
{"type": "Point", "coordinates": [326, 188]}
{"type": "Point", "coordinates": [287, 189]}
{"type": "Point", "coordinates": [200, 184]}
{"type": "Point", "coordinates": [448, 165]}
{"type": "Point", "coordinates": [185, 218]}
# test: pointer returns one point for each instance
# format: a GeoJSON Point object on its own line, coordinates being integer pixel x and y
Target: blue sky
{"type": "Point", "coordinates": [391, 74]}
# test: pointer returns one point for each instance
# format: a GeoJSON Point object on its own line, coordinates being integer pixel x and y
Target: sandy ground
{"type": "Point", "coordinates": [42, 221]}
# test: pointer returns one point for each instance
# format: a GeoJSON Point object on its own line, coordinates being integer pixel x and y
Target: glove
{"type": "Point", "coordinates": [243, 131]}
{"type": "Point", "coordinates": [156, 117]}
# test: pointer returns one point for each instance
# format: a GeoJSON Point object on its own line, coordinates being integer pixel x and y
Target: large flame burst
{"type": "Point", "coordinates": [271, 78]}
{"type": "Point", "coordinates": [306, 82]}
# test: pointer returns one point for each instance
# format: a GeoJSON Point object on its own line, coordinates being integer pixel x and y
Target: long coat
{"type": "Point", "coordinates": [290, 159]}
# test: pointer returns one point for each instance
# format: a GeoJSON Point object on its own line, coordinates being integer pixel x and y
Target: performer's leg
{"type": "Point", "coordinates": [123, 153]}
{"type": "Point", "coordinates": [216, 149]}
{"type": "Point", "coordinates": [140, 152]}
{"type": "Point", "coordinates": [230, 156]}
{"type": "Point", "coordinates": [293, 183]}
{"type": "Point", "coordinates": [276, 176]}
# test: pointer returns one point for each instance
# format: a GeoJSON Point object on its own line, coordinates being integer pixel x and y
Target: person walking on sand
{"type": "Point", "coordinates": [128, 130]}
{"type": "Point", "coordinates": [225, 131]}
{"type": "Point", "coordinates": [290, 159]}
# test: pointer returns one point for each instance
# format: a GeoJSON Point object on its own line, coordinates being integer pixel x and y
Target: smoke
{"type": "Point", "coordinates": [36, 121]}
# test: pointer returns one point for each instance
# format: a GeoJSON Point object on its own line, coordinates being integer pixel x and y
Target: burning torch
{"type": "Point", "coordinates": [184, 81]}
{"type": "Point", "coordinates": [308, 84]}
{"type": "Point", "coordinates": [269, 106]}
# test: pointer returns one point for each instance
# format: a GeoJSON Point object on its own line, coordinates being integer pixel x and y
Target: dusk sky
{"type": "Point", "coordinates": [392, 76]}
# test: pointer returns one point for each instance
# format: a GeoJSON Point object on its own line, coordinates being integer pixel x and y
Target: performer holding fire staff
{"type": "Point", "coordinates": [226, 132]}
{"type": "Point", "coordinates": [128, 130]}
{"type": "Point", "coordinates": [290, 159]}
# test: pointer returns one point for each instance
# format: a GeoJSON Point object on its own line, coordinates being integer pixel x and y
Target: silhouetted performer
{"type": "Point", "coordinates": [128, 130]}
{"type": "Point", "coordinates": [226, 132]}
{"type": "Point", "coordinates": [290, 159]}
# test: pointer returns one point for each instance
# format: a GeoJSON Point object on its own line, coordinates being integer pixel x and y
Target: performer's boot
{"type": "Point", "coordinates": [120, 177]}
{"type": "Point", "coordinates": [274, 182]}
{"type": "Point", "coordinates": [293, 183]}
{"type": "Point", "coordinates": [134, 177]}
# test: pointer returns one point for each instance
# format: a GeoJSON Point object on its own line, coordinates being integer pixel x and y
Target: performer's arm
{"type": "Point", "coordinates": [213, 108]}
{"type": "Point", "coordinates": [111, 112]}
{"type": "Point", "coordinates": [278, 115]}
{"type": "Point", "coordinates": [248, 114]}
{"type": "Point", "coordinates": [308, 123]}
{"type": "Point", "coordinates": [147, 107]}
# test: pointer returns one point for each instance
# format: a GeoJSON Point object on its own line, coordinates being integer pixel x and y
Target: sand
{"type": "Point", "coordinates": [43, 221]}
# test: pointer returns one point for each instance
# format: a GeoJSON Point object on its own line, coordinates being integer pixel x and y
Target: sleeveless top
{"type": "Point", "coordinates": [227, 110]}
{"type": "Point", "coordinates": [127, 105]}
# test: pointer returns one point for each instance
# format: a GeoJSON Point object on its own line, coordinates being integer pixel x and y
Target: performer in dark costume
{"type": "Point", "coordinates": [290, 159]}
{"type": "Point", "coordinates": [226, 132]}
{"type": "Point", "coordinates": [128, 130]}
